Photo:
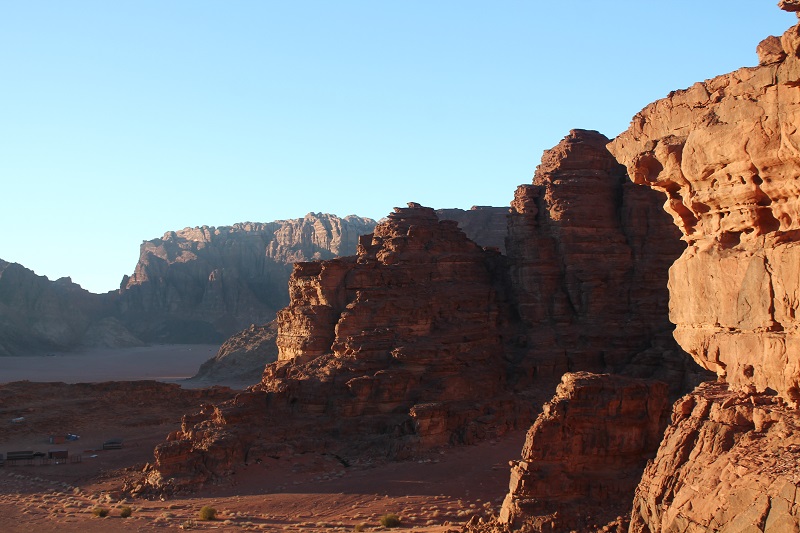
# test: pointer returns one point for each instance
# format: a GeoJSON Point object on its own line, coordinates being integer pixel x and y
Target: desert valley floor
{"type": "Point", "coordinates": [302, 493]}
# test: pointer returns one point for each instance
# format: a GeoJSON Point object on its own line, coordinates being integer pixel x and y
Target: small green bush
{"type": "Point", "coordinates": [390, 520]}
{"type": "Point", "coordinates": [125, 512]}
{"type": "Point", "coordinates": [101, 512]}
{"type": "Point", "coordinates": [207, 513]}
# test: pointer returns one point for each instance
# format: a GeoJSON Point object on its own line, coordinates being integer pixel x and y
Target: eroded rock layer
{"type": "Point", "coordinates": [396, 350]}
{"type": "Point", "coordinates": [584, 455]}
{"type": "Point", "coordinates": [726, 152]}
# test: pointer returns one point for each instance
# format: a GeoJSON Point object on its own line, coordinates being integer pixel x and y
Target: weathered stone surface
{"type": "Point", "coordinates": [588, 252]}
{"type": "Point", "coordinates": [203, 284]}
{"type": "Point", "coordinates": [584, 455]}
{"type": "Point", "coordinates": [725, 153]}
{"type": "Point", "coordinates": [728, 462]}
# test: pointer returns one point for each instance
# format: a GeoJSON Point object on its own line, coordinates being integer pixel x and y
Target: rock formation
{"type": "Point", "coordinates": [391, 352]}
{"type": "Point", "coordinates": [423, 339]}
{"type": "Point", "coordinates": [728, 462]}
{"type": "Point", "coordinates": [584, 455]}
{"type": "Point", "coordinates": [242, 357]}
{"type": "Point", "coordinates": [588, 254]}
{"type": "Point", "coordinates": [203, 284]}
{"type": "Point", "coordinates": [725, 153]}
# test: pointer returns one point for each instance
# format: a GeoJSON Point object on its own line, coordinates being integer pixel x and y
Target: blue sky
{"type": "Point", "coordinates": [123, 120]}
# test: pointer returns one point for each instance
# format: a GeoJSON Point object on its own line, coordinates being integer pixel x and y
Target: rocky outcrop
{"type": "Point", "coordinates": [241, 358]}
{"type": "Point", "coordinates": [728, 462]}
{"type": "Point", "coordinates": [38, 315]}
{"type": "Point", "coordinates": [585, 454]}
{"type": "Point", "coordinates": [203, 284]}
{"type": "Point", "coordinates": [391, 352]}
{"type": "Point", "coordinates": [725, 153]}
{"type": "Point", "coordinates": [588, 254]}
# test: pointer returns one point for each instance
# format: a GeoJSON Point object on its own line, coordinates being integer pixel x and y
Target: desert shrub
{"type": "Point", "coordinates": [188, 524]}
{"type": "Point", "coordinates": [207, 513]}
{"type": "Point", "coordinates": [360, 527]}
{"type": "Point", "coordinates": [390, 520]}
{"type": "Point", "coordinates": [101, 512]}
{"type": "Point", "coordinates": [125, 512]}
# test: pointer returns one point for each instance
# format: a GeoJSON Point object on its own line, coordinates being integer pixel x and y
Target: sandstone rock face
{"type": "Point", "coordinates": [728, 462]}
{"type": "Point", "coordinates": [391, 352]}
{"type": "Point", "coordinates": [725, 152]}
{"type": "Point", "coordinates": [588, 253]}
{"type": "Point", "coordinates": [203, 284]}
{"type": "Point", "coordinates": [38, 315]}
{"type": "Point", "coordinates": [585, 454]}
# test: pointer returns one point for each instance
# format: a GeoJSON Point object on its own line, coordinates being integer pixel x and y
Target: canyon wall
{"type": "Point", "coordinates": [726, 153]}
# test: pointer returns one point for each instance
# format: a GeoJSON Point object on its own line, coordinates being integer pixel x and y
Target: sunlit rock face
{"type": "Point", "coordinates": [726, 153]}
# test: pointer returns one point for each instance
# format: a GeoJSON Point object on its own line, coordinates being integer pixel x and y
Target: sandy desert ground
{"type": "Point", "coordinates": [308, 493]}
{"type": "Point", "coordinates": [159, 362]}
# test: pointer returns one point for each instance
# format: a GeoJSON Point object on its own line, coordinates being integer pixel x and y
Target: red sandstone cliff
{"type": "Point", "coordinates": [725, 153]}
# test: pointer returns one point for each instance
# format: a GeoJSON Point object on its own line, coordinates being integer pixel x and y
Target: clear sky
{"type": "Point", "coordinates": [123, 120]}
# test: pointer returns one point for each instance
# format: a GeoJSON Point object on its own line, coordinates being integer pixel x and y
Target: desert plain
{"type": "Point", "coordinates": [140, 394]}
